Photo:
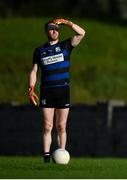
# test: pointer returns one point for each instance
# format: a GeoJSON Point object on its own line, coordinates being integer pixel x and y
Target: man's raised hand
{"type": "Point", "coordinates": [63, 21]}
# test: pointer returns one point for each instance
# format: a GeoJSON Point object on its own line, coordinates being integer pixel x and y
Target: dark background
{"type": "Point", "coordinates": [80, 8]}
{"type": "Point", "coordinates": [97, 130]}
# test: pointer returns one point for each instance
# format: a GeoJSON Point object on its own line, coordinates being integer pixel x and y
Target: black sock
{"type": "Point", "coordinates": [46, 157]}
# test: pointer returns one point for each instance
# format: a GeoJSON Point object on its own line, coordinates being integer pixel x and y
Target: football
{"type": "Point", "coordinates": [61, 156]}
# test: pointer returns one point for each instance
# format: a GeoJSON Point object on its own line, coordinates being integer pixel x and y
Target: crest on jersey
{"type": "Point", "coordinates": [58, 49]}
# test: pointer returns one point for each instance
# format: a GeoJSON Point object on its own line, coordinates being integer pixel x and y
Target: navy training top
{"type": "Point", "coordinates": [54, 61]}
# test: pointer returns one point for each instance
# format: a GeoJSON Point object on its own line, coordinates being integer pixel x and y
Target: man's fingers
{"type": "Point", "coordinates": [59, 21]}
{"type": "Point", "coordinates": [36, 97]}
{"type": "Point", "coordinates": [63, 21]}
{"type": "Point", "coordinates": [33, 100]}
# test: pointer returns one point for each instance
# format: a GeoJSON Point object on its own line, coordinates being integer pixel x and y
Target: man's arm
{"type": "Point", "coordinates": [80, 32]}
{"type": "Point", "coordinates": [33, 75]}
{"type": "Point", "coordinates": [32, 81]}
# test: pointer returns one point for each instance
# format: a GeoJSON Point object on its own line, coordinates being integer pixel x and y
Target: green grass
{"type": "Point", "coordinates": [85, 168]}
{"type": "Point", "coordinates": [98, 68]}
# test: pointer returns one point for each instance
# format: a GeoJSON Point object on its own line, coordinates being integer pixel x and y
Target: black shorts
{"type": "Point", "coordinates": [56, 97]}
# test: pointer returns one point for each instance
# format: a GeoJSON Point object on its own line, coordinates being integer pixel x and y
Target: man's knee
{"type": "Point", "coordinates": [48, 127]}
{"type": "Point", "coordinates": [61, 127]}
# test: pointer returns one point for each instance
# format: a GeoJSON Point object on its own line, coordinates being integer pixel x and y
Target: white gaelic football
{"type": "Point", "coordinates": [61, 156]}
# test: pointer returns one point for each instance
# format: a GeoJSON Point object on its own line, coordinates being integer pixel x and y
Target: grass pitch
{"type": "Point", "coordinates": [34, 168]}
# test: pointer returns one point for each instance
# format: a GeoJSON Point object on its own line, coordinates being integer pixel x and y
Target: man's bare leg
{"type": "Point", "coordinates": [48, 114]}
{"type": "Point", "coordinates": [61, 121]}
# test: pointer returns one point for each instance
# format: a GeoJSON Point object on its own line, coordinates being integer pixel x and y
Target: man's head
{"type": "Point", "coordinates": [52, 31]}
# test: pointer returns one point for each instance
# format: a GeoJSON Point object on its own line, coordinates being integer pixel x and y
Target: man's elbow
{"type": "Point", "coordinates": [83, 33]}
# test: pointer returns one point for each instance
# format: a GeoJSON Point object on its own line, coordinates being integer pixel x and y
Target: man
{"type": "Point", "coordinates": [54, 60]}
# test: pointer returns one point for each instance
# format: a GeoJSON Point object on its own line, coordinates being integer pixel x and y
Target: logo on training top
{"type": "Point", "coordinates": [58, 49]}
{"type": "Point", "coordinates": [52, 59]}
{"type": "Point", "coordinates": [43, 53]}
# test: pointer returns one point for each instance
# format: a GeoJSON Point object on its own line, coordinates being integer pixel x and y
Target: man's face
{"type": "Point", "coordinates": [53, 31]}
